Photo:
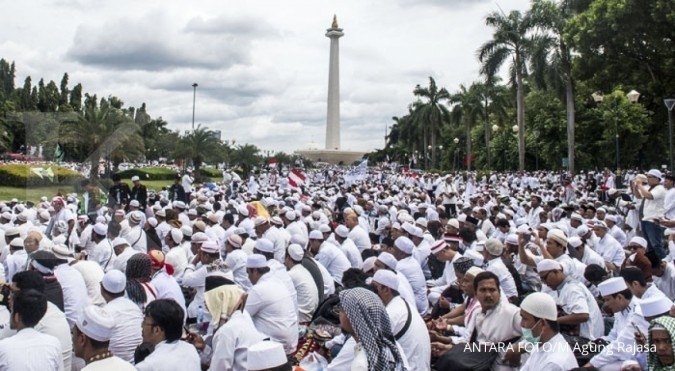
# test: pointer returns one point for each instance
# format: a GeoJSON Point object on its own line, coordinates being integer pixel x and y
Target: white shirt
{"type": "Point", "coordinates": [360, 238]}
{"type": "Point", "coordinates": [187, 183]}
{"type": "Point", "coordinates": [666, 283]}
{"type": "Point", "coordinates": [109, 364]}
{"type": "Point", "coordinates": [54, 323]}
{"type": "Point", "coordinates": [236, 261]}
{"type": "Point", "coordinates": [506, 281]}
{"type": "Point", "coordinates": [669, 204]}
{"type": "Point", "coordinates": [573, 297]}
{"type": "Point", "coordinates": [197, 280]}
{"type": "Point", "coordinates": [166, 287]}
{"type": "Point", "coordinates": [15, 263]}
{"type": "Point", "coordinates": [352, 253]}
{"type": "Point", "coordinates": [120, 261]}
{"type": "Point", "coordinates": [277, 239]}
{"type": "Point", "coordinates": [178, 259]}
{"type": "Point", "coordinates": [231, 342]}
{"type": "Point", "coordinates": [74, 289]}
{"type": "Point", "coordinates": [554, 355]}
{"type": "Point", "coordinates": [271, 307]}
{"type": "Point", "coordinates": [92, 274]}
{"type": "Point", "coordinates": [654, 208]}
{"type": "Point", "coordinates": [332, 257]}
{"type": "Point", "coordinates": [308, 294]}
{"type": "Point", "coordinates": [128, 326]}
{"type": "Point", "coordinates": [416, 351]}
{"type": "Point", "coordinates": [411, 269]}
{"type": "Point", "coordinates": [610, 249]}
{"type": "Point", "coordinates": [103, 254]}
{"type": "Point", "coordinates": [136, 238]}
{"type": "Point", "coordinates": [30, 350]}
{"type": "Point", "coordinates": [176, 356]}
{"type": "Point", "coordinates": [498, 324]}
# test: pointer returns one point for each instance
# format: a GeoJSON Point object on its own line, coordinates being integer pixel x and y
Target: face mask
{"type": "Point", "coordinates": [529, 336]}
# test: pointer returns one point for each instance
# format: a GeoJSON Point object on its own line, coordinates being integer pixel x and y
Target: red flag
{"type": "Point", "coordinates": [296, 178]}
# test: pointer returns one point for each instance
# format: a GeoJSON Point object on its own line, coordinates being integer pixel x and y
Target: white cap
{"type": "Point", "coordinates": [296, 252]}
{"type": "Point", "coordinates": [655, 306]}
{"type": "Point", "coordinates": [187, 231]}
{"type": "Point", "coordinates": [176, 235]}
{"type": "Point", "coordinates": [134, 203]}
{"type": "Point", "coordinates": [409, 228]}
{"type": "Point", "coordinates": [404, 244]}
{"type": "Point", "coordinates": [548, 265]}
{"type": "Point", "coordinates": [152, 221]}
{"type": "Point", "coordinates": [62, 252]}
{"type": "Point", "coordinates": [610, 218]}
{"type": "Point", "coordinates": [477, 257]}
{"type": "Point", "coordinates": [324, 228]}
{"type": "Point", "coordinates": [342, 231]}
{"type": "Point", "coordinates": [558, 236]}
{"type": "Point", "coordinates": [524, 229]}
{"type": "Point", "coordinates": [256, 261]}
{"type": "Point", "coordinates": [16, 242]}
{"type": "Point", "coordinates": [655, 173]}
{"type": "Point", "coordinates": [421, 221]}
{"type": "Point", "coordinates": [577, 216]}
{"type": "Point", "coordinates": [290, 215]}
{"type": "Point", "coordinates": [315, 235]}
{"type": "Point", "coordinates": [119, 241]}
{"type": "Point", "coordinates": [388, 260]}
{"type": "Point", "coordinates": [494, 247]}
{"type": "Point", "coordinates": [511, 239]}
{"type": "Point", "coordinates": [234, 240]}
{"type": "Point", "coordinates": [639, 241]}
{"type": "Point", "coordinates": [114, 281]}
{"type": "Point", "coordinates": [96, 323]}
{"type": "Point", "coordinates": [199, 237]}
{"type": "Point", "coordinates": [582, 230]}
{"type": "Point", "coordinates": [210, 247]}
{"type": "Point", "coordinates": [266, 355]}
{"type": "Point", "coordinates": [418, 232]}
{"type": "Point", "coordinates": [540, 305]}
{"type": "Point", "coordinates": [473, 271]}
{"type": "Point", "coordinates": [260, 220]}
{"type": "Point", "coordinates": [438, 246]}
{"type": "Point", "coordinates": [386, 278]}
{"type": "Point", "coordinates": [100, 229]}
{"type": "Point", "coordinates": [574, 241]}
{"type": "Point", "coordinates": [612, 286]}
{"type": "Point", "coordinates": [243, 210]}
{"type": "Point", "coordinates": [135, 178]}
{"type": "Point", "coordinates": [135, 217]}
{"type": "Point", "coordinates": [179, 204]}
{"type": "Point", "coordinates": [369, 264]}
{"type": "Point", "coordinates": [264, 245]}
{"type": "Point", "coordinates": [161, 213]}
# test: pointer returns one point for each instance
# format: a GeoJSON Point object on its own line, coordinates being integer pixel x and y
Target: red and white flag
{"type": "Point", "coordinates": [296, 178]}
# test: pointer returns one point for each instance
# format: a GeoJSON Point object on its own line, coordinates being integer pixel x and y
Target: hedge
{"type": "Point", "coordinates": [21, 175]}
{"type": "Point", "coordinates": [149, 173]}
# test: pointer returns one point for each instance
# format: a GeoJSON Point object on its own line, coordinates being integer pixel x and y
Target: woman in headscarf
{"type": "Point", "coordinates": [139, 272]}
{"type": "Point", "coordinates": [661, 336]}
{"type": "Point", "coordinates": [234, 330]}
{"type": "Point", "coordinates": [363, 315]}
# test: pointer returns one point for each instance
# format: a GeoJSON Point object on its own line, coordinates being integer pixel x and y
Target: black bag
{"type": "Point", "coordinates": [462, 358]}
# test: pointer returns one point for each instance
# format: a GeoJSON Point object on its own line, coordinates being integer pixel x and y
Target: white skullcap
{"type": "Point", "coordinates": [558, 236]}
{"type": "Point", "coordinates": [511, 239]}
{"type": "Point", "coordinates": [187, 231]}
{"type": "Point", "coordinates": [243, 210]}
{"type": "Point", "coordinates": [100, 229]}
{"type": "Point", "coordinates": [638, 240]}
{"type": "Point", "coordinates": [540, 305]}
{"type": "Point", "coordinates": [16, 242]}
{"type": "Point", "coordinates": [655, 306]}
{"type": "Point", "coordinates": [438, 246]}
{"type": "Point", "coordinates": [342, 231]}
{"type": "Point", "coordinates": [612, 286]}
{"type": "Point", "coordinates": [266, 355]}
{"type": "Point", "coordinates": [421, 221]}
{"type": "Point", "coordinates": [12, 231]}
{"type": "Point", "coordinates": [62, 252]}
{"type": "Point", "coordinates": [296, 252]}
{"type": "Point", "coordinates": [44, 215]}
{"type": "Point", "coordinates": [494, 247]}
{"type": "Point", "coordinates": [315, 235]}
{"type": "Point", "coordinates": [96, 323]}
{"type": "Point", "coordinates": [199, 237]}
{"type": "Point", "coordinates": [199, 225]}
{"type": "Point", "coordinates": [299, 239]}
{"type": "Point", "coordinates": [409, 228]}
{"type": "Point", "coordinates": [404, 244]}
{"type": "Point", "coordinates": [477, 257]}
{"type": "Point", "coordinates": [260, 220]}
{"type": "Point", "coordinates": [152, 221]}
{"type": "Point", "coordinates": [523, 229]}
{"type": "Point", "coordinates": [582, 230]}
{"type": "Point", "coordinates": [176, 235]}
{"type": "Point", "coordinates": [520, 221]}
{"type": "Point", "coordinates": [369, 264]}
{"type": "Point", "coordinates": [396, 225]}
{"type": "Point", "coordinates": [574, 241]}
{"type": "Point", "coordinates": [264, 245]}
{"type": "Point", "coordinates": [548, 265]}
{"type": "Point", "coordinates": [101, 219]}
{"type": "Point", "coordinates": [473, 271]}
{"type": "Point", "coordinates": [290, 215]}
{"type": "Point", "coordinates": [134, 203]}
{"type": "Point", "coordinates": [161, 213]}
{"type": "Point", "coordinates": [256, 261]}
{"type": "Point", "coordinates": [388, 260]}
{"type": "Point", "coordinates": [418, 232]}
{"type": "Point", "coordinates": [234, 240]}
{"type": "Point", "coordinates": [210, 247]}
{"type": "Point", "coordinates": [135, 217]}
{"type": "Point", "coordinates": [114, 281]}
{"type": "Point", "coordinates": [600, 225]}
{"type": "Point", "coordinates": [324, 228]}
{"type": "Point", "coordinates": [277, 221]}
{"type": "Point", "coordinates": [135, 178]}
{"type": "Point", "coordinates": [179, 204]}
{"type": "Point", "coordinates": [611, 218]}
{"type": "Point", "coordinates": [386, 278]}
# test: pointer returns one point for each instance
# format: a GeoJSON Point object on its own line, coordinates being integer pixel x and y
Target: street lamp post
{"type": "Point", "coordinates": [440, 156]}
{"type": "Point", "coordinates": [194, 100]}
{"type": "Point", "coordinates": [670, 104]}
{"type": "Point", "coordinates": [455, 164]}
{"type": "Point", "coordinates": [495, 129]}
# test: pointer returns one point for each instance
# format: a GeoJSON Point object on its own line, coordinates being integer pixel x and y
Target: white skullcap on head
{"type": "Point", "coordinates": [199, 237]}
{"type": "Point", "coordinates": [176, 235]}
{"type": "Point", "coordinates": [477, 257]}
{"type": "Point", "coordinates": [342, 231]}
{"type": "Point", "coordinates": [574, 241]}
{"type": "Point", "coordinates": [610, 218]}
{"type": "Point", "coordinates": [639, 241]}
{"type": "Point", "coordinates": [266, 355]}
{"type": "Point", "coordinates": [473, 271]}
{"type": "Point", "coordinates": [558, 236]}
{"type": "Point", "coordinates": [242, 210]}
{"type": "Point", "coordinates": [409, 228]}
{"type": "Point", "coordinates": [421, 221]}
{"type": "Point", "coordinates": [290, 215]}
{"type": "Point", "coordinates": [264, 245]}
{"type": "Point", "coordinates": [210, 247]}
{"type": "Point", "coordinates": [369, 264]}
{"type": "Point", "coordinates": [187, 230]}
{"type": "Point", "coordinates": [299, 239]}
{"type": "Point", "coordinates": [114, 281]}
{"type": "Point", "coordinates": [582, 230]}
{"type": "Point", "coordinates": [511, 239]}
{"type": "Point", "coordinates": [16, 242]}
{"type": "Point", "coordinates": [404, 244]}
{"type": "Point", "coordinates": [260, 220]}
{"type": "Point", "coordinates": [134, 203]}
{"type": "Point", "coordinates": [453, 223]}
{"type": "Point", "coordinates": [152, 221]}
{"type": "Point", "coordinates": [99, 219]}
{"type": "Point", "coordinates": [655, 305]}
{"type": "Point", "coordinates": [324, 228]}
{"type": "Point", "coordinates": [296, 252]}
{"type": "Point", "coordinates": [548, 265]}
{"type": "Point", "coordinates": [386, 278]}
{"type": "Point", "coordinates": [100, 229]}
{"type": "Point", "coordinates": [418, 232]}
{"type": "Point", "coordinates": [96, 323]}
{"type": "Point", "coordinates": [135, 178]}
{"type": "Point", "coordinates": [388, 260]}
{"type": "Point", "coordinates": [256, 261]}
{"type": "Point", "coordinates": [494, 247]}
{"type": "Point", "coordinates": [612, 286]}
{"type": "Point", "coordinates": [540, 305]}
{"type": "Point", "coordinates": [438, 246]}
{"type": "Point", "coordinates": [234, 240]}
{"type": "Point", "coordinates": [315, 235]}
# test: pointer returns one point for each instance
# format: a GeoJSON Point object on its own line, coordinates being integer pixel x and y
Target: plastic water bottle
{"type": "Point", "coordinates": [200, 316]}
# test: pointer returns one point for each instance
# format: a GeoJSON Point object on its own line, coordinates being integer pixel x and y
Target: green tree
{"type": "Point", "coordinates": [430, 114]}
{"type": "Point", "coordinates": [246, 157]}
{"type": "Point", "coordinates": [510, 40]}
{"type": "Point", "coordinates": [200, 145]}
{"type": "Point", "coordinates": [467, 109]}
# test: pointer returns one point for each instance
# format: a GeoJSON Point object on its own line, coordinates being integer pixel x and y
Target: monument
{"type": "Point", "coordinates": [333, 154]}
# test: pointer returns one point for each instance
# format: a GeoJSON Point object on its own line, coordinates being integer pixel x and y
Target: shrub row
{"type": "Point", "coordinates": [22, 175]}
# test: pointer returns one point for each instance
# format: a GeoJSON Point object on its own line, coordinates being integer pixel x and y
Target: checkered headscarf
{"type": "Point", "coordinates": [370, 322]}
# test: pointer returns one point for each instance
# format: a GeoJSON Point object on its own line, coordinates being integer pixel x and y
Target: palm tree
{"type": "Point", "coordinates": [430, 114]}
{"type": "Point", "coordinates": [200, 145]}
{"type": "Point", "coordinates": [509, 40]}
{"type": "Point", "coordinates": [246, 157]}
{"type": "Point", "coordinates": [466, 111]}
{"type": "Point", "coordinates": [103, 131]}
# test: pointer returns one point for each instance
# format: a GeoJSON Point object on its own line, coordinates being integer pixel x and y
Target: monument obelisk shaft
{"type": "Point", "coordinates": [333, 115]}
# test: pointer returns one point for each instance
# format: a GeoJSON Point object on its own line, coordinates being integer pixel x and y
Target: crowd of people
{"type": "Point", "coordinates": [380, 271]}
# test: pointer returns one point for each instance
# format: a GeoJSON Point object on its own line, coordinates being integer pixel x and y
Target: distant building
{"type": "Point", "coordinates": [217, 134]}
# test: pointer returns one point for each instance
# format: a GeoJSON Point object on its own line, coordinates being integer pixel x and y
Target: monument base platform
{"type": "Point", "coordinates": [334, 157]}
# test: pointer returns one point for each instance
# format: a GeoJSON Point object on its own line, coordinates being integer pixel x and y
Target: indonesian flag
{"type": "Point", "coordinates": [272, 163]}
{"type": "Point", "coordinates": [296, 178]}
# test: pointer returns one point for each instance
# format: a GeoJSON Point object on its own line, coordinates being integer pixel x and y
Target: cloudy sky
{"type": "Point", "coordinates": [261, 65]}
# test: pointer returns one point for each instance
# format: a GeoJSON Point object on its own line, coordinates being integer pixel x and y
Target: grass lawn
{"type": "Point", "coordinates": [34, 193]}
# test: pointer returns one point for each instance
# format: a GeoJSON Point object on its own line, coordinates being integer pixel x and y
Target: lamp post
{"type": "Point", "coordinates": [440, 155]}
{"type": "Point", "coordinates": [670, 104]}
{"type": "Point", "coordinates": [516, 130]}
{"type": "Point", "coordinates": [194, 100]}
{"type": "Point", "coordinates": [633, 96]}
{"type": "Point", "coordinates": [495, 129]}
{"type": "Point", "coordinates": [455, 164]}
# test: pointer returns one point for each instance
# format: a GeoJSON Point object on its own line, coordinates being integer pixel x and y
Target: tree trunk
{"type": "Point", "coordinates": [569, 96]}
{"type": "Point", "coordinates": [520, 108]}
{"type": "Point", "coordinates": [487, 137]}
{"type": "Point", "coordinates": [468, 146]}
